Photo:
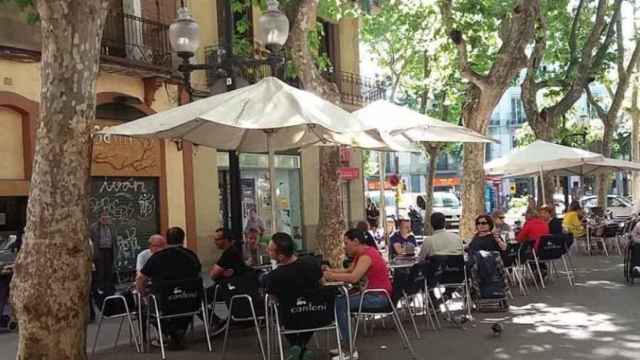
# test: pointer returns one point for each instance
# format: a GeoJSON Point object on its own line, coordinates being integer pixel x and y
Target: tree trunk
{"type": "Point", "coordinates": [603, 180]}
{"type": "Point", "coordinates": [634, 111]}
{"type": "Point", "coordinates": [543, 131]}
{"type": "Point", "coordinates": [432, 150]}
{"type": "Point", "coordinates": [476, 114]}
{"type": "Point", "coordinates": [50, 288]}
{"type": "Point", "coordinates": [331, 223]}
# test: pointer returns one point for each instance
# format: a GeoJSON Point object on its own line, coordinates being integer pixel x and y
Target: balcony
{"type": "Point", "coordinates": [355, 90]}
{"type": "Point", "coordinates": [131, 40]}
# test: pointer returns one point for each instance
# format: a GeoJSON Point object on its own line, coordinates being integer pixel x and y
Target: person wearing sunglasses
{"type": "Point", "coordinates": [485, 239]}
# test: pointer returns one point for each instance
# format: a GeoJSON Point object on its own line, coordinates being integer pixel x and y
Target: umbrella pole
{"type": "Point", "coordinates": [383, 213]}
{"type": "Point", "coordinates": [541, 176]}
{"type": "Point", "coordinates": [272, 183]}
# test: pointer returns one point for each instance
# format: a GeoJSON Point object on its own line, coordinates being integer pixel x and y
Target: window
{"type": "Point", "coordinates": [517, 115]}
{"type": "Point", "coordinates": [446, 200]}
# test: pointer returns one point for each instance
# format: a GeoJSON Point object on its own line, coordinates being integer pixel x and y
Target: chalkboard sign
{"type": "Point", "coordinates": [132, 204]}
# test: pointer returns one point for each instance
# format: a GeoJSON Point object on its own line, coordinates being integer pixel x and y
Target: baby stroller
{"type": "Point", "coordinates": [489, 288]}
{"type": "Point", "coordinates": [632, 262]}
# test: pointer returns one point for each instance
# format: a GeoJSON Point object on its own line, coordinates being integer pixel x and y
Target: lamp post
{"type": "Point", "coordinates": [185, 40]}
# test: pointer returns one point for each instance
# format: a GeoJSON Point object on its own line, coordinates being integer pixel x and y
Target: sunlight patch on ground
{"type": "Point", "coordinates": [575, 324]}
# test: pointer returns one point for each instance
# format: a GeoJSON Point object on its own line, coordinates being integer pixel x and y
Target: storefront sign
{"type": "Point", "coordinates": [348, 173]}
{"type": "Point", "coordinates": [373, 185]}
{"type": "Point", "coordinates": [455, 181]}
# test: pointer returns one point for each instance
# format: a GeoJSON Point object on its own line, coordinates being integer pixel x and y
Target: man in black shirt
{"type": "Point", "coordinates": [173, 263]}
{"type": "Point", "coordinates": [230, 262]}
{"type": "Point", "coordinates": [289, 280]}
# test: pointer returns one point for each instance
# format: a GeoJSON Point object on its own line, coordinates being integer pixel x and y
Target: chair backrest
{"type": "Point", "coordinates": [407, 281]}
{"type": "Point", "coordinates": [449, 269]}
{"type": "Point", "coordinates": [311, 309]}
{"type": "Point", "coordinates": [568, 241]}
{"type": "Point", "coordinates": [526, 251]}
{"type": "Point", "coordinates": [178, 296]}
{"type": "Point", "coordinates": [551, 247]}
{"type": "Point", "coordinates": [611, 230]}
{"type": "Point", "coordinates": [510, 256]}
{"type": "Point", "coordinates": [242, 284]}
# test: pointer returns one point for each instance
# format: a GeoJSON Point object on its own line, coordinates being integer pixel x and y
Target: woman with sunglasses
{"type": "Point", "coordinates": [485, 238]}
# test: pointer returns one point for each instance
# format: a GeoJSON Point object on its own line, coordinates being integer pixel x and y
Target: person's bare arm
{"type": "Point", "coordinates": [216, 272]}
{"type": "Point", "coordinates": [501, 243]}
{"type": "Point", "coordinates": [141, 279]}
{"type": "Point", "coordinates": [364, 262]}
{"type": "Point", "coordinates": [341, 271]}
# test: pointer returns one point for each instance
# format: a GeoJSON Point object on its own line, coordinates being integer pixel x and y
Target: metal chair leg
{"type": "Point", "coordinates": [95, 340]}
{"type": "Point", "coordinates": [206, 326]}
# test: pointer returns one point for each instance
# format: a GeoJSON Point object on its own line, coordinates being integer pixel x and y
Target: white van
{"type": "Point", "coordinates": [446, 203]}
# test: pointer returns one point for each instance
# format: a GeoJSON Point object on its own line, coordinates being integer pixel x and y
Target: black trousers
{"type": "Point", "coordinates": [104, 269]}
{"type": "Point", "coordinates": [299, 339]}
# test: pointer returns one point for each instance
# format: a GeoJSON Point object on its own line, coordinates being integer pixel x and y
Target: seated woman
{"type": "Point", "coordinates": [548, 214]}
{"type": "Point", "coordinates": [534, 228]}
{"type": "Point", "coordinates": [485, 238]}
{"type": "Point", "coordinates": [368, 269]}
{"type": "Point", "coordinates": [499, 226]}
{"type": "Point", "coordinates": [573, 220]}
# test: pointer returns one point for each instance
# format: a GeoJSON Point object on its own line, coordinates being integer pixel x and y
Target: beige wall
{"type": "Point", "coordinates": [205, 178]}
{"type": "Point", "coordinates": [11, 150]}
{"type": "Point", "coordinates": [349, 53]}
{"type": "Point", "coordinates": [204, 13]}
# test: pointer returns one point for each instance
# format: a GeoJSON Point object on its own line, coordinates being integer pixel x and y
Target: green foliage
{"type": "Point", "coordinates": [28, 9]}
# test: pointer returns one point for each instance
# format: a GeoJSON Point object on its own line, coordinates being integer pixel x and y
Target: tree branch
{"type": "Point", "coordinates": [573, 42]}
{"type": "Point", "coordinates": [458, 40]}
{"type": "Point", "coordinates": [600, 111]}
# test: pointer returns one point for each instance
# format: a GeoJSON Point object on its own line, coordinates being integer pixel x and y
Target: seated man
{"type": "Point", "coordinates": [173, 263]}
{"type": "Point", "coordinates": [230, 262]}
{"type": "Point", "coordinates": [369, 269]}
{"type": "Point", "coordinates": [548, 214]}
{"type": "Point", "coordinates": [534, 228]}
{"type": "Point", "coordinates": [441, 242]}
{"type": "Point", "coordinates": [290, 279]}
{"type": "Point", "coordinates": [252, 250]}
{"type": "Point", "coordinates": [157, 242]}
{"type": "Point", "coordinates": [402, 241]}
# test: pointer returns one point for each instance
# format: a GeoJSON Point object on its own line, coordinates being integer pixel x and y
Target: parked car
{"type": "Point", "coordinates": [618, 205]}
{"type": "Point", "coordinates": [446, 203]}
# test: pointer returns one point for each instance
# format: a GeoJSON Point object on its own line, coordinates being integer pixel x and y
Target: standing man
{"type": "Point", "coordinates": [402, 242]}
{"type": "Point", "coordinates": [103, 237]}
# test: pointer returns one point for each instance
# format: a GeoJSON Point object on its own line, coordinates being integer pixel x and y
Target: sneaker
{"type": "Point", "coordinates": [294, 353]}
{"type": "Point", "coordinates": [346, 356]}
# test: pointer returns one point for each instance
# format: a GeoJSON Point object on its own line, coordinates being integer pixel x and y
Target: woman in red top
{"type": "Point", "coordinates": [534, 228]}
{"type": "Point", "coordinates": [368, 269]}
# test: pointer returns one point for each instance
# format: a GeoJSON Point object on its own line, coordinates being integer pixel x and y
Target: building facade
{"type": "Point", "coordinates": [149, 185]}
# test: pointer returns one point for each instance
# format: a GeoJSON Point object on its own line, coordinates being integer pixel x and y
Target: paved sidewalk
{"type": "Point", "coordinates": [597, 319]}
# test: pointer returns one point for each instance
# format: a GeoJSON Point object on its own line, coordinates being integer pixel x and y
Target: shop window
{"type": "Point", "coordinates": [11, 147]}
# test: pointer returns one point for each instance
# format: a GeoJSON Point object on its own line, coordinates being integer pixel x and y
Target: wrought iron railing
{"type": "Point", "coordinates": [138, 40]}
{"type": "Point", "coordinates": [354, 89]}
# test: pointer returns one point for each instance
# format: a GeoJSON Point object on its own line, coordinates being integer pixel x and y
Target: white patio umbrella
{"type": "Point", "coordinates": [266, 117]}
{"type": "Point", "coordinates": [401, 128]}
{"type": "Point", "coordinates": [542, 156]}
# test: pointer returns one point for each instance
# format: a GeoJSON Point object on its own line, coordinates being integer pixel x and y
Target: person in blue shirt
{"type": "Point", "coordinates": [402, 242]}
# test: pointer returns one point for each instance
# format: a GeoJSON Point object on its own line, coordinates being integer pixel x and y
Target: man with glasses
{"type": "Point", "coordinates": [498, 220]}
{"type": "Point", "coordinates": [230, 262]}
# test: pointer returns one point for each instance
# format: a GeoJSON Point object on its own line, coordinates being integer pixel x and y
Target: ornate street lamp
{"type": "Point", "coordinates": [184, 37]}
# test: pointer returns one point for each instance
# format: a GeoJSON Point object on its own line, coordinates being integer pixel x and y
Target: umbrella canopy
{"type": "Point", "coordinates": [593, 167]}
{"type": "Point", "coordinates": [400, 127]}
{"type": "Point", "coordinates": [542, 156]}
{"type": "Point", "coordinates": [266, 117]}
{"type": "Point", "coordinates": [242, 119]}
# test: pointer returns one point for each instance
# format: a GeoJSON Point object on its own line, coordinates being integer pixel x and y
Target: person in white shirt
{"type": "Point", "coordinates": [157, 242]}
{"type": "Point", "coordinates": [441, 242]}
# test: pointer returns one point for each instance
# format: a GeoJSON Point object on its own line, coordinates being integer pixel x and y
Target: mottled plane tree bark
{"type": "Point", "coordinates": [50, 288]}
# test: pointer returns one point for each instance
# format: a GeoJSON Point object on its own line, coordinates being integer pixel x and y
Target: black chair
{"type": "Point", "coordinates": [121, 306]}
{"type": "Point", "coordinates": [513, 267]}
{"type": "Point", "coordinates": [245, 303]}
{"type": "Point", "coordinates": [177, 300]}
{"type": "Point", "coordinates": [389, 310]}
{"type": "Point", "coordinates": [527, 255]}
{"type": "Point", "coordinates": [408, 283]}
{"type": "Point", "coordinates": [450, 274]}
{"type": "Point", "coordinates": [553, 248]}
{"type": "Point", "coordinates": [311, 311]}
{"type": "Point", "coordinates": [608, 232]}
